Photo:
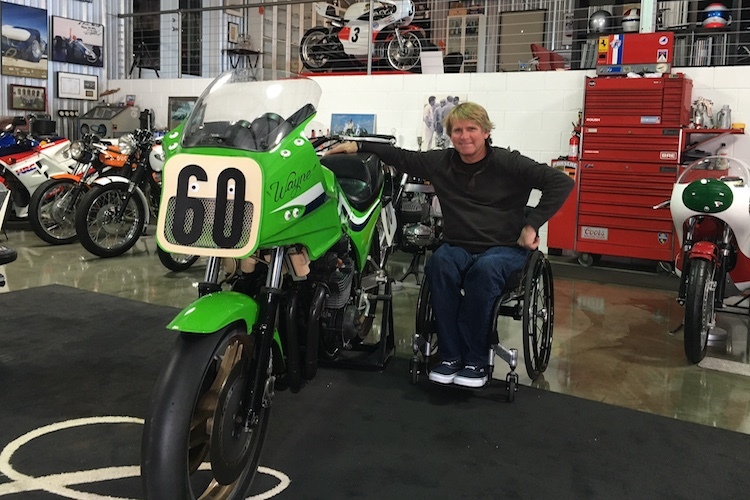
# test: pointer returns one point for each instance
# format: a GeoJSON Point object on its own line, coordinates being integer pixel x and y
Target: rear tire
{"type": "Point", "coordinates": [700, 315]}
{"type": "Point", "coordinates": [192, 412]}
{"type": "Point", "coordinates": [315, 51]}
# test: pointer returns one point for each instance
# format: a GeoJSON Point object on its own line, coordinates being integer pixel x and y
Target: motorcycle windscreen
{"type": "Point", "coordinates": [210, 206]}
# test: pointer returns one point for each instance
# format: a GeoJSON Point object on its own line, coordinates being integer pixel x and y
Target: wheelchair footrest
{"type": "Point", "coordinates": [510, 356]}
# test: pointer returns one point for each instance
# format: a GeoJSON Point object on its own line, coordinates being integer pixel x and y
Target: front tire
{"type": "Point", "coordinates": [176, 262]}
{"type": "Point", "coordinates": [52, 211]}
{"type": "Point", "coordinates": [700, 315]}
{"type": "Point", "coordinates": [100, 230]}
{"type": "Point", "coordinates": [196, 399]}
{"type": "Point", "coordinates": [404, 57]}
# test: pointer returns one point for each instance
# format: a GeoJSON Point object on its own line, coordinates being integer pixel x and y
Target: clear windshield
{"type": "Point", "coordinates": [723, 168]}
{"type": "Point", "coordinates": [237, 111]}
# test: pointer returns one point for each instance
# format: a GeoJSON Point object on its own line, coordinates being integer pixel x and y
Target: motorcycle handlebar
{"type": "Point", "coordinates": [663, 204]}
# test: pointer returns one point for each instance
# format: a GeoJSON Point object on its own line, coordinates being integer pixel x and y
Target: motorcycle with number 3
{"type": "Point", "coordinates": [394, 38]}
{"type": "Point", "coordinates": [709, 206]}
{"type": "Point", "coordinates": [296, 246]}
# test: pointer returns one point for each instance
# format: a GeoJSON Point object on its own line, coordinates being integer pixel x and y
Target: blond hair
{"type": "Point", "coordinates": [468, 111]}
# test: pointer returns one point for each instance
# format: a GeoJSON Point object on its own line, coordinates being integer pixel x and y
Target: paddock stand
{"type": "Point", "coordinates": [416, 257]}
{"type": "Point", "coordinates": [372, 356]}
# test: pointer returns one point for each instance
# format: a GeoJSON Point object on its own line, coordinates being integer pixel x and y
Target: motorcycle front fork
{"type": "Point", "coordinates": [724, 249]}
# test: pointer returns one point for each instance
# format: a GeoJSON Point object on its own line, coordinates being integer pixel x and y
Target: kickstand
{"type": "Point", "coordinates": [414, 265]}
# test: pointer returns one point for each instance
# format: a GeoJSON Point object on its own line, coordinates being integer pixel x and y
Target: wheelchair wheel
{"type": "Point", "coordinates": [538, 314]}
{"type": "Point", "coordinates": [424, 344]}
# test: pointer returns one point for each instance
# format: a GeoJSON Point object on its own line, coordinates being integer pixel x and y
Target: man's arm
{"type": "Point", "coordinates": [412, 162]}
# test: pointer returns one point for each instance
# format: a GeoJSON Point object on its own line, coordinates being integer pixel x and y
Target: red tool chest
{"type": "Point", "coordinates": [630, 153]}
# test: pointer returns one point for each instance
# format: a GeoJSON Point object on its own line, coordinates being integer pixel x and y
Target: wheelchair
{"type": "Point", "coordinates": [528, 296]}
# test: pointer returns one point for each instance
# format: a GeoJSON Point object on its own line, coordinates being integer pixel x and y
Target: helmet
{"type": "Point", "coordinates": [631, 20]}
{"type": "Point", "coordinates": [156, 158]}
{"type": "Point", "coordinates": [716, 15]}
{"type": "Point", "coordinates": [600, 21]}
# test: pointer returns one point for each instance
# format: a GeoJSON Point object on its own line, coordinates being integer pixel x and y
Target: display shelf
{"type": "Point", "coordinates": [467, 35]}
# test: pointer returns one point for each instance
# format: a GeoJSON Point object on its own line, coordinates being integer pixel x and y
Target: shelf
{"type": "Point", "coordinates": [715, 133]}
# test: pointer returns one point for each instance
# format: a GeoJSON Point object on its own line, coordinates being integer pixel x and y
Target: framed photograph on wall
{"type": "Point", "coordinates": [179, 109]}
{"type": "Point", "coordinates": [27, 98]}
{"type": "Point", "coordinates": [75, 86]}
{"type": "Point", "coordinates": [352, 124]}
{"type": "Point", "coordinates": [77, 42]}
{"type": "Point", "coordinates": [233, 32]}
{"type": "Point", "coordinates": [25, 38]}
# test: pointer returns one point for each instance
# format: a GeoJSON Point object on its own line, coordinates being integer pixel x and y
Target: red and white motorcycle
{"type": "Point", "coordinates": [394, 38]}
{"type": "Point", "coordinates": [25, 168]}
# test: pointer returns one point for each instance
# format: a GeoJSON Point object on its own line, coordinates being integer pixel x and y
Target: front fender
{"type": "Point", "coordinates": [213, 312]}
{"type": "Point", "coordinates": [705, 250]}
{"type": "Point", "coordinates": [70, 177]}
{"type": "Point", "coordinates": [109, 179]}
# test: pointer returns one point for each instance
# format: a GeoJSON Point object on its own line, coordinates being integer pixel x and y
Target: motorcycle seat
{"type": "Point", "coordinates": [359, 176]}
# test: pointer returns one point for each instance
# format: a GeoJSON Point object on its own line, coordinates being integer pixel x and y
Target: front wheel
{"type": "Point", "coordinates": [194, 443]}
{"type": "Point", "coordinates": [404, 56]}
{"type": "Point", "coordinates": [52, 211]}
{"type": "Point", "coordinates": [176, 262]}
{"type": "Point", "coordinates": [109, 221]}
{"type": "Point", "coordinates": [700, 315]}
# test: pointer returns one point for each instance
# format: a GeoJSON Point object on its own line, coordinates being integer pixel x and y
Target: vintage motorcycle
{"type": "Point", "coordinates": [26, 163]}
{"type": "Point", "coordinates": [117, 209]}
{"type": "Point", "coordinates": [709, 207]}
{"type": "Point", "coordinates": [53, 205]}
{"type": "Point", "coordinates": [394, 38]}
{"type": "Point", "coordinates": [296, 248]}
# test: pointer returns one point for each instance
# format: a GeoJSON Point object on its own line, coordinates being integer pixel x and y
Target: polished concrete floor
{"type": "Point", "coordinates": [612, 342]}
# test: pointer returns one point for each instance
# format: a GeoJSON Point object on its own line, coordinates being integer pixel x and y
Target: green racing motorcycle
{"type": "Point", "coordinates": [297, 245]}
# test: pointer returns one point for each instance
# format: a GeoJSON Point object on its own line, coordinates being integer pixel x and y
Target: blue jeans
{"type": "Point", "coordinates": [463, 321]}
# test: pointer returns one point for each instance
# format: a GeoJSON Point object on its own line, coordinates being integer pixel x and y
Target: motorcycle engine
{"type": "Point", "coordinates": [420, 222]}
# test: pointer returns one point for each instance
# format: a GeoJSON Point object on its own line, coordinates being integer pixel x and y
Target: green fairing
{"type": "Point", "coordinates": [709, 196]}
{"type": "Point", "coordinates": [361, 238]}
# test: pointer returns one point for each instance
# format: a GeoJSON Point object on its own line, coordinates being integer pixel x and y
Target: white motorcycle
{"type": "Point", "coordinates": [27, 164]}
{"type": "Point", "coordinates": [394, 38]}
{"type": "Point", "coordinates": [709, 207]}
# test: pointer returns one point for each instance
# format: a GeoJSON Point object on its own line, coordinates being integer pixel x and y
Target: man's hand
{"type": "Point", "coordinates": [528, 239]}
{"type": "Point", "coordinates": [344, 147]}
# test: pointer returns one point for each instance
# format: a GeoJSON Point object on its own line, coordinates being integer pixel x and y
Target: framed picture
{"type": "Point", "coordinates": [74, 86]}
{"type": "Point", "coordinates": [352, 124]}
{"type": "Point", "coordinates": [77, 42]}
{"type": "Point", "coordinates": [179, 109]}
{"type": "Point", "coordinates": [233, 32]}
{"type": "Point", "coordinates": [25, 37]}
{"type": "Point", "coordinates": [27, 98]}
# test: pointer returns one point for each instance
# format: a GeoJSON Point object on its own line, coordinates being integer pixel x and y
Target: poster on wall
{"type": "Point", "coordinates": [431, 129]}
{"type": "Point", "coordinates": [352, 124]}
{"type": "Point", "coordinates": [24, 41]}
{"type": "Point", "coordinates": [77, 42]}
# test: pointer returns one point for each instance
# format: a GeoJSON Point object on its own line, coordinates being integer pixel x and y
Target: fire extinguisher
{"type": "Point", "coordinates": [573, 146]}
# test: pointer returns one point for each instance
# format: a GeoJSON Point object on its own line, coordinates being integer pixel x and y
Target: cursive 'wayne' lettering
{"type": "Point", "coordinates": [291, 186]}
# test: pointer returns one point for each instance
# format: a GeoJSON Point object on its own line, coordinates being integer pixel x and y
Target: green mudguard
{"type": "Point", "coordinates": [213, 312]}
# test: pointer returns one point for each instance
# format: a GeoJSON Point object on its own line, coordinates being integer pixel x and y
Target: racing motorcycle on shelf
{"type": "Point", "coordinates": [117, 209]}
{"type": "Point", "coordinates": [394, 39]}
{"type": "Point", "coordinates": [26, 163]}
{"type": "Point", "coordinates": [296, 247]}
{"type": "Point", "coordinates": [709, 207]}
{"type": "Point", "coordinates": [53, 205]}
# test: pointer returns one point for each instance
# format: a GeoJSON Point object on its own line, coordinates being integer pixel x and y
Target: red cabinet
{"type": "Point", "coordinates": [631, 144]}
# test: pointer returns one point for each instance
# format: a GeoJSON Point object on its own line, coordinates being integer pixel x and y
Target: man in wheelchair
{"type": "Point", "coordinates": [487, 233]}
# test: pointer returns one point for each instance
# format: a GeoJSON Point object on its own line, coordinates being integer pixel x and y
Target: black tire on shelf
{"type": "Point", "coordinates": [538, 314]}
{"type": "Point", "coordinates": [699, 308]}
{"type": "Point", "coordinates": [176, 262]}
{"type": "Point", "coordinates": [314, 51]}
{"type": "Point", "coordinates": [191, 420]}
{"type": "Point", "coordinates": [52, 211]}
{"type": "Point", "coordinates": [101, 235]}
{"type": "Point", "coordinates": [408, 58]}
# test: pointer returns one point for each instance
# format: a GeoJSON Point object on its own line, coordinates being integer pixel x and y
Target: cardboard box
{"type": "Point", "coordinates": [457, 12]}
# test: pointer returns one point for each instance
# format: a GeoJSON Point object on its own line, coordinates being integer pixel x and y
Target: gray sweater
{"type": "Point", "coordinates": [483, 203]}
